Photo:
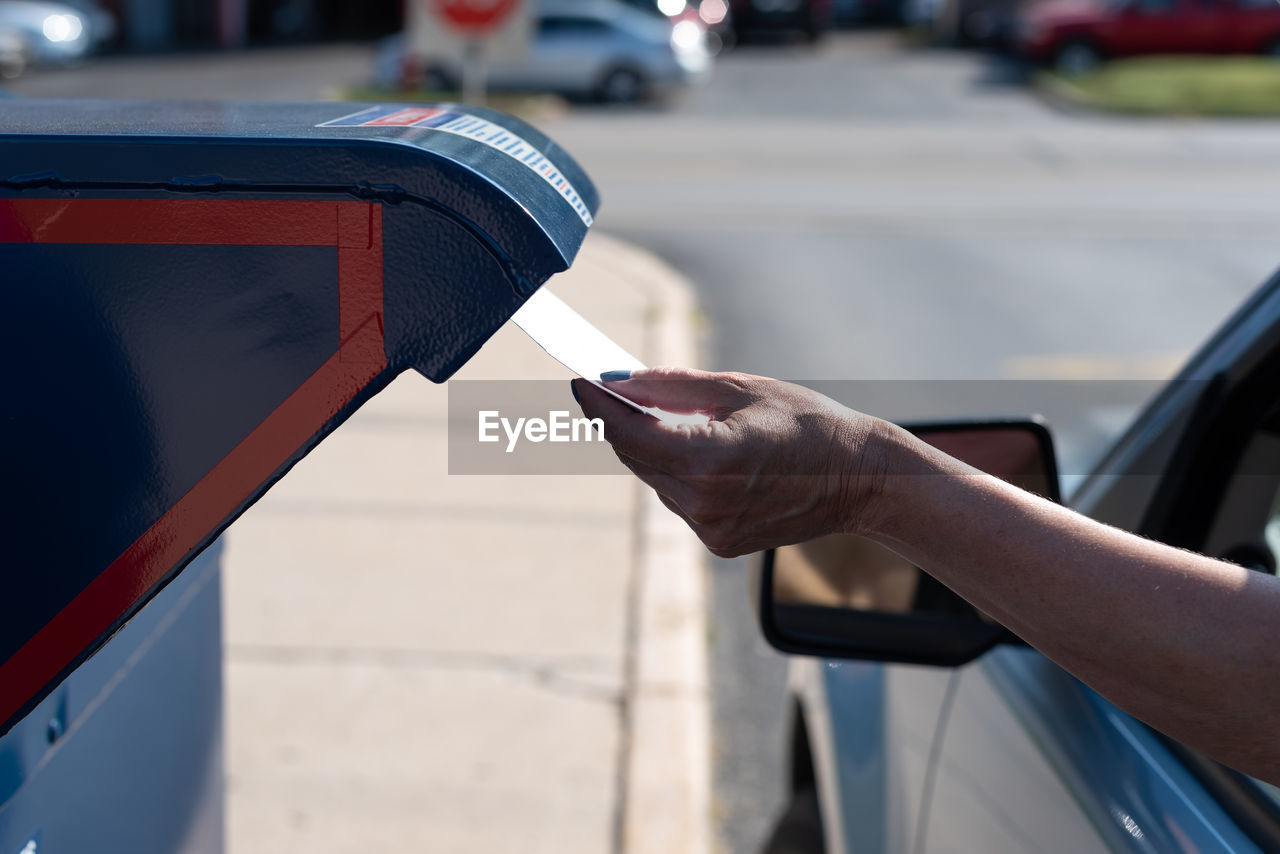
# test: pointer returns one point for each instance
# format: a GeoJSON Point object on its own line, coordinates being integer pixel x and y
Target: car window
{"type": "Point", "coordinates": [566, 25]}
{"type": "Point", "coordinates": [1271, 533]}
{"type": "Point", "coordinates": [1229, 508]}
{"type": "Point", "coordinates": [1246, 524]}
{"type": "Point", "coordinates": [1269, 790]}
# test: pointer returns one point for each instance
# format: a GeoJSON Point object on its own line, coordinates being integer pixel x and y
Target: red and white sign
{"type": "Point", "coordinates": [474, 16]}
{"type": "Point", "coordinates": [439, 32]}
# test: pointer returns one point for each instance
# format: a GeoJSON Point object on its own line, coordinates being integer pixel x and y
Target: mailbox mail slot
{"type": "Point", "coordinates": [196, 294]}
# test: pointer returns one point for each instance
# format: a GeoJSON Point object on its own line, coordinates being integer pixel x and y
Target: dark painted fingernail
{"type": "Point", "coordinates": [574, 390]}
{"type": "Point", "coordinates": [615, 376]}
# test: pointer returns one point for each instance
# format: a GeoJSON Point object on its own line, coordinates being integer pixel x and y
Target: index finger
{"type": "Point", "coordinates": [679, 390]}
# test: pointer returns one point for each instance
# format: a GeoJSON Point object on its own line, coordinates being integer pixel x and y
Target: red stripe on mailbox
{"type": "Point", "coordinates": [355, 228]}
{"type": "Point", "coordinates": [404, 118]}
{"type": "Point", "coordinates": [187, 222]}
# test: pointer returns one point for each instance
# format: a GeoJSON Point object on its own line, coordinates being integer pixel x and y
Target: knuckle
{"type": "Point", "coordinates": [739, 381]}
{"type": "Point", "coordinates": [717, 539]}
{"type": "Point", "coordinates": [669, 372]}
{"type": "Point", "coordinates": [709, 540]}
{"type": "Point", "coordinates": [694, 509]}
{"type": "Point", "coordinates": [700, 507]}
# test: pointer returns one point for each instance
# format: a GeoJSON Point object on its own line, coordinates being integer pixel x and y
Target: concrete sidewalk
{"type": "Point", "coordinates": [420, 662]}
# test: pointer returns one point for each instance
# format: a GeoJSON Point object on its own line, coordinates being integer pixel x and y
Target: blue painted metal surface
{"type": "Point", "coordinates": [137, 761]}
{"type": "Point", "coordinates": [1035, 760]}
{"type": "Point", "coordinates": [855, 692]}
{"type": "Point", "coordinates": [203, 292]}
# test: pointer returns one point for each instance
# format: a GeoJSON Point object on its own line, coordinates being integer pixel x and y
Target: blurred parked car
{"type": "Point", "coordinates": [13, 53]}
{"type": "Point", "coordinates": [811, 18]}
{"type": "Point", "coordinates": [852, 12]}
{"type": "Point", "coordinates": [950, 735]}
{"type": "Point", "coordinates": [52, 33]}
{"type": "Point", "coordinates": [712, 15]}
{"type": "Point", "coordinates": [984, 23]}
{"type": "Point", "coordinates": [1075, 35]}
{"type": "Point", "coordinates": [606, 49]}
{"type": "Point", "coordinates": [920, 15]}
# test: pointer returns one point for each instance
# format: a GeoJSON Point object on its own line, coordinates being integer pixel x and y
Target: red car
{"type": "Point", "coordinates": [1074, 35]}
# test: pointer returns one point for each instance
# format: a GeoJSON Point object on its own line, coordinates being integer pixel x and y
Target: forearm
{"type": "Point", "coordinates": [1189, 644]}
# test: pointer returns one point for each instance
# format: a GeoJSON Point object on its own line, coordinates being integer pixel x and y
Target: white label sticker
{"type": "Point", "coordinates": [445, 117]}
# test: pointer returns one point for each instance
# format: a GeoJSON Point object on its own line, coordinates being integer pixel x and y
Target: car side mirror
{"type": "Point", "coordinates": [844, 596]}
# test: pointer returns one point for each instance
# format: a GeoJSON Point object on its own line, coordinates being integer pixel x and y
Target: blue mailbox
{"type": "Point", "coordinates": [196, 294]}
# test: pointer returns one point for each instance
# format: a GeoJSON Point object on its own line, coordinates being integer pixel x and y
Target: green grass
{"type": "Point", "coordinates": [530, 107]}
{"type": "Point", "coordinates": [1176, 86]}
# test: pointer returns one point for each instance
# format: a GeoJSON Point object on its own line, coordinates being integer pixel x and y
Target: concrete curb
{"type": "Point", "coordinates": [668, 766]}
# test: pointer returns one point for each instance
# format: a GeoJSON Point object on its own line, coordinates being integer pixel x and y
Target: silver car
{"type": "Point", "coordinates": [586, 48]}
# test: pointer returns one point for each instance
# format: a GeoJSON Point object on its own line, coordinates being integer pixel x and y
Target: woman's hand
{"type": "Point", "coordinates": [1196, 656]}
{"type": "Point", "coordinates": [776, 464]}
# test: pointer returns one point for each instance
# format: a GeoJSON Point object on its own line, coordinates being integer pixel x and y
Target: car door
{"type": "Point", "coordinates": [1250, 26]}
{"type": "Point", "coordinates": [1229, 24]}
{"type": "Point", "coordinates": [1162, 26]}
{"type": "Point", "coordinates": [563, 56]}
{"type": "Point", "coordinates": [1031, 759]}
{"type": "Point", "coordinates": [869, 729]}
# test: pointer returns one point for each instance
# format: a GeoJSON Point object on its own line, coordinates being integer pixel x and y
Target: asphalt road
{"type": "Point", "coordinates": [907, 218]}
{"type": "Point", "coordinates": [871, 212]}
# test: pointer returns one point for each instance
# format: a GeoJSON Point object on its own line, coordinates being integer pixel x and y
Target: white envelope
{"type": "Point", "coordinates": [582, 348]}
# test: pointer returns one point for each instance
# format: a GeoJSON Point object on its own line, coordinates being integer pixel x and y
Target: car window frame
{"type": "Point", "coordinates": [1183, 514]}
{"type": "Point", "coordinates": [597, 26]}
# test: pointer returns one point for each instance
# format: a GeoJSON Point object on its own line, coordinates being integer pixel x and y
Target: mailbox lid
{"type": "Point", "coordinates": [496, 171]}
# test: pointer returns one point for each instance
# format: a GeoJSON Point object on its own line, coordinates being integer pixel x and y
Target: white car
{"type": "Point", "coordinates": [52, 33]}
{"type": "Point", "coordinates": [594, 48]}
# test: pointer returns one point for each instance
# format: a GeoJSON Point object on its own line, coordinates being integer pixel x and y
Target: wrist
{"type": "Point", "coordinates": [884, 475]}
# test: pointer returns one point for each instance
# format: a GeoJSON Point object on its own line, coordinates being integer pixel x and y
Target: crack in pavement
{"type": "Point", "coordinates": [547, 673]}
{"type": "Point", "coordinates": [381, 509]}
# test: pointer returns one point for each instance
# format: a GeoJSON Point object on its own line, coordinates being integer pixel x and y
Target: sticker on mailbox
{"type": "Point", "coordinates": [449, 120]}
